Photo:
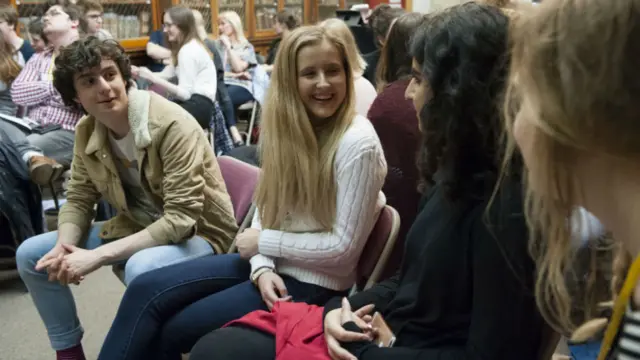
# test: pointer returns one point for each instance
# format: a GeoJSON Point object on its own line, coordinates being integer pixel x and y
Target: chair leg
{"type": "Point", "coordinates": [55, 196]}
{"type": "Point", "coordinates": [252, 123]}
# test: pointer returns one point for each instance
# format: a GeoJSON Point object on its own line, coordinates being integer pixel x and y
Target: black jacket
{"type": "Point", "coordinates": [20, 199]}
{"type": "Point", "coordinates": [465, 289]}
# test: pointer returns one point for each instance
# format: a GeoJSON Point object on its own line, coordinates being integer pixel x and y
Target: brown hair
{"type": "Point", "coordinates": [182, 17]}
{"type": "Point", "coordinates": [9, 68]}
{"type": "Point", "coordinates": [90, 5]}
{"type": "Point", "coordinates": [82, 55]}
{"type": "Point", "coordinates": [395, 57]}
{"type": "Point", "coordinates": [380, 20]}
{"type": "Point", "coordinates": [9, 14]}
{"type": "Point", "coordinates": [579, 102]}
{"type": "Point", "coordinates": [288, 19]}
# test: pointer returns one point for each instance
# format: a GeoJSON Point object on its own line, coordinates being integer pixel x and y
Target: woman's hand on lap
{"type": "Point", "coordinates": [334, 332]}
{"type": "Point", "coordinates": [272, 289]}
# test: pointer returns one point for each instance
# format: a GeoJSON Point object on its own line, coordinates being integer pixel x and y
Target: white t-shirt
{"type": "Point", "coordinates": [139, 204]}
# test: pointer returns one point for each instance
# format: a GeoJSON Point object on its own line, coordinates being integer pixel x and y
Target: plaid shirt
{"type": "Point", "coordinates": [33, 88]}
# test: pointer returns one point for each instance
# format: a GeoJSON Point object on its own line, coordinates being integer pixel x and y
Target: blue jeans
{"type": "Point", "coordinates": [238, 96]}
{"type": "Point", "coordinates": [54, 301]}
{"type": "Point", "coordinates": [165, 312]}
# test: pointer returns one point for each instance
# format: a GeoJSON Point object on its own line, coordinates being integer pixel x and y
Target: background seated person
{"type": "Point", "coordinates": [34, 89]}
{"type": "Point", "coordinates": [380, 21]}
{"type": "Point", "coordinates": [392, 115]}
{"type": "Point", "coordinates": [285, 22]}
{"type": "Point", "coordinates": [36, 33]}
{"type": "Point", "coordinates": [158, 49]}
{"type": "Point", "coordinates": [239, 56]}
{"type": "Point", "coordinates": [8, 24]}
{"type": "Point", "coordinates": [41, 169]}
{"type": "Point", "coordinates": [465, 290]}
{"type": "Point", "coordinates": [10, 67]}
{"type": "Point", "coordinates": [222, 95]}
{"type": "Point", "coordinates": [94, 16]}
{"type": "Point", "coordinates": [151, 161]}
{"type": "Point", "coordinates": [191, 64]}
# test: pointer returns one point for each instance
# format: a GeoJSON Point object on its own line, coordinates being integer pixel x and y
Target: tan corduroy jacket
{"type": "Point", "coordinates": [178, 171]}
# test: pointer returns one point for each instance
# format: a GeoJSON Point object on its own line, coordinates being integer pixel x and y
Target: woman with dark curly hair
{"type": "Point", "coordinates": [465, 289]}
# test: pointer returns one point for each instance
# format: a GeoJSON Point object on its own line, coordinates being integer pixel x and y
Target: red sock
{"type": "Point", "coordinates": [73, 353]}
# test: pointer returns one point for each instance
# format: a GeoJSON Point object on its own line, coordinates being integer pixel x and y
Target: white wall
{"type": "Point", "coordinates": [425, 6]}
{"type": "Point", "coordinates": [422, 6]}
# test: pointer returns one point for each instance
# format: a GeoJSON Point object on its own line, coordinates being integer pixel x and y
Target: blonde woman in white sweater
{"type": "Point", "coordinates": [318, 198]}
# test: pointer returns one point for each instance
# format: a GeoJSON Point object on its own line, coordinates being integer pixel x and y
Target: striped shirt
{"type": "Point", "coordinates": [628, 346]}
{"type": "Point", "coordinates": [622, 338]}
{"type": "Point", "coordinates": [33, 88]}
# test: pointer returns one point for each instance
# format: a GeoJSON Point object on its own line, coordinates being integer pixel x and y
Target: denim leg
{"type": "Point", "coordinates": [57, 144]}
{"type": "Point", "coordinates": [161, 256]}
{"type": "Point", "coordinates": [19, 139]}
{"type": "Point", "coordinates": [156, 296]}
{"type": "Point", "coordinates": [53, 300]}
{"type": "Point", "coordinates": [238, 95]}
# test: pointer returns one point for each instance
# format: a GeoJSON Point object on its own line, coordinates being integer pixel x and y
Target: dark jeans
{"type": "Point", "coordinates": [200, 107]}
{"type": "Point", "coordinates": [238, 96]}
{"type": "Point", "coordinates": [235, 343]}
{"type": "Point", "coordinates": [164, 312]}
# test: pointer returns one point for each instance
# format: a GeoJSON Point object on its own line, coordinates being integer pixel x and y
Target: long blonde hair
{"type": "Point", "coordinates": [337, 28]}
{"type": "Point", "coordinates": [577, 80]}
{"type": "Point", "coordinates": [234, 20]}
{"type": "Point", "coordinates": [297, 159]}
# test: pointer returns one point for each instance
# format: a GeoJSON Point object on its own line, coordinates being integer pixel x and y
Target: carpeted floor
{"type": "Point", "coordinates": [22, 335]}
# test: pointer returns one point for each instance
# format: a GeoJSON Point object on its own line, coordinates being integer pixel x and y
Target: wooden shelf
{"type": "Point", "coordinates": [135, 44]}
{"type": "Point", "coordinates": [260, 38]}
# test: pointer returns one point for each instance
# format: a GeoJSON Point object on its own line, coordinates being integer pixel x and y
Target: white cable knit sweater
{"type": "Point", "coordinates": [329, 259]}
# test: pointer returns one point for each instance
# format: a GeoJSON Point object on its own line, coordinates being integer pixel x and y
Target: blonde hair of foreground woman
{"type": "Point", "coordinates": [297, 158]}
{"type": "Point", "coordinates": [577, 81]}
{"type": "Point", "coordinates": [339, 29]}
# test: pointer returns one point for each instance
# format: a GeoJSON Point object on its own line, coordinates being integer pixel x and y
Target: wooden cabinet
{"type": "Point", "coordinates": [131, 21]}
{"type": "Point", "coordinates": [325, 9]}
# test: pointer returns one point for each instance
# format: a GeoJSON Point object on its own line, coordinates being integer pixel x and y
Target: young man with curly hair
{"type": "Point", "coordinates": [151, 161]}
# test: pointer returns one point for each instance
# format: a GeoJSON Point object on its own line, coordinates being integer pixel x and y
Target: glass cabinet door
{"type": "Point", "coordinates": [233, 5]}
{"type": "Point", "coordinates": [297, 8]}
{"type": "Point", "coordinates": [204, 6]}
{"type": "Point", "coordinates": [123, 19]}
{"type": "Point", "coordinates": [349, 3]}
{"type": "Point", "coordinates": [265, 14]}
{"type": "Point", "coordinates": [327, 9]}
{"type": "Point", "coordinates": [127, 19]}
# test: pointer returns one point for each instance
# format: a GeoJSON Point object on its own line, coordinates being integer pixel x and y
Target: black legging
{"type": "Point", "coordinates": [235, 343]}
{"type": "Point", "coordinates": [200, 107]}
